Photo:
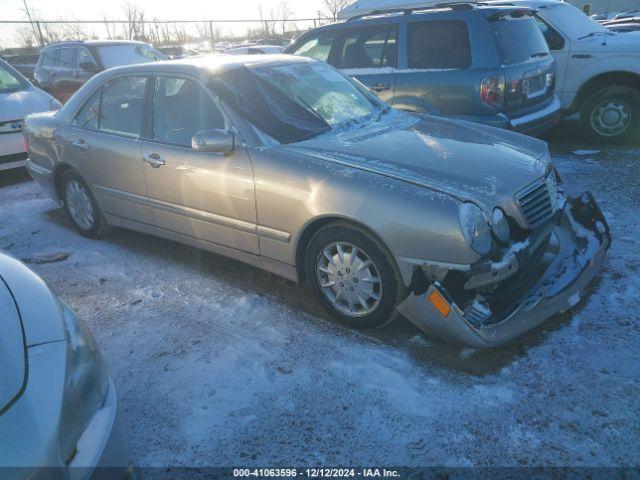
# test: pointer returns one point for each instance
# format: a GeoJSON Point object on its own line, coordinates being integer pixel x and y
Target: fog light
{"type": "Point", "coordinates": [440, 303]}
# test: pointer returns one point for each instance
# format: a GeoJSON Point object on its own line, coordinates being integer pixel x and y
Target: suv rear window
{"type": "Point", "coordinates": [519, 39]}
{"type": "Point", "coordinates": [439, 44]}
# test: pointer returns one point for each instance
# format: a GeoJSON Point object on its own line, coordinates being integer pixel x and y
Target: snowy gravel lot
{"type": "Point", "coordinates": [219, 364]}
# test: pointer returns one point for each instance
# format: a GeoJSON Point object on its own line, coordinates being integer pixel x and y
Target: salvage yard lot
{"type": "Point", "coordinates": [218, 363]}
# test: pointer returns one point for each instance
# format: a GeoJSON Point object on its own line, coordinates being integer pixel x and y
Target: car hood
{"type": "Point", "coordinates": [465, 160]}
{"type": "Point", "coordinates": [17, 105]}
{"type": "Point", "coordinates": [627, 42]}
{"type": "Point", "coordinates": [13, 354]}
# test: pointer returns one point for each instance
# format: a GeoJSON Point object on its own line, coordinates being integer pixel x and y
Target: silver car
{"type": "Point", "coordinates": [59, 412]}
{"type": "Point", "coordinates": [286, 164]}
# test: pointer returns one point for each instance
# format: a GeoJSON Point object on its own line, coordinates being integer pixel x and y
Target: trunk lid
{"type": "Point", "coordinates": [13, 353]}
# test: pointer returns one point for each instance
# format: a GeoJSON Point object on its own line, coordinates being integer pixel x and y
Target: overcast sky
{"type": "Point", "coordinates": [161, 9]}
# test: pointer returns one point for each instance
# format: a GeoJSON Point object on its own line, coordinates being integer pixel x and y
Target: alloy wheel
{"type": "Point", "coordinates": [349, 279]}
{"type": "Point", "coordinates": [79, 205]}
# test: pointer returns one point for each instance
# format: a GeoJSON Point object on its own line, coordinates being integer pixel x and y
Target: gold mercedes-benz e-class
{"type": "Point", "coordinates": [284, 163]}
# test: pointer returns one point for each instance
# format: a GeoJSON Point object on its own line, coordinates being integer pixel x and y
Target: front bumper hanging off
{"type": "Point", "coordinates": [583, 238]}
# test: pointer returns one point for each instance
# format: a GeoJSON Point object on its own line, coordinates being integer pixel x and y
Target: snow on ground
{"type": "Point", "coordinates": [217, 363]}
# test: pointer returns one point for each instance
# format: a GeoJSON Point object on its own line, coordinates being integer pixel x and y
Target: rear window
{"type": "Point", "coordinates": [519, 39]}
{"type": "Point", "coordinates": [118, 55]}
{"type": "Point", "coordinates": [439, 44]}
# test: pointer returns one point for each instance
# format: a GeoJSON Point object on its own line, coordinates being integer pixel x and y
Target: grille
{"type": "Point", "coordinates": [537, 201]}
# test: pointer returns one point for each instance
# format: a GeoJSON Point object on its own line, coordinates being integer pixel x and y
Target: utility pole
{"type": "Point", "coordinates": [38, 32]}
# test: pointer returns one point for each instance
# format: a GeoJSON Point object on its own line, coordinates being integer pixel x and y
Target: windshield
{"type": "Point", "coordinates": [11, 80]}
{"type": "Point", "coordinates": [570, 20]}
{"type": "Point", "coordinates": [118, 55]}
{"type": "Point", "coordinates": [519, 40]}
{"type": "Point", "coordinates": [296, 101]}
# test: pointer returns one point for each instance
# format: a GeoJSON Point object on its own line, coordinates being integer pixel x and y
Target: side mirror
{"type": "Point", "coordinates": [88, 67]}
{"type": "Point", "coordinates": [213, 141]}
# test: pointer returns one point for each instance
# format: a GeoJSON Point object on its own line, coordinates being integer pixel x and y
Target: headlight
{"type": "Point", "coordinates": [54, 104]}
{"type": "Point", "coordinates": [86, 383]}
{"type": "Point", "coordinates": [500, 225]}
{"type": "Point", "coordinates": [475, 228]}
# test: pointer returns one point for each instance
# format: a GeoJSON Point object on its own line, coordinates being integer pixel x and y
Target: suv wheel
{"type": "Point", "coordinates": [81, 206]}
{"type": "Point", "coordinates": [611, 114]}
{"type": "Point", "coordinates": [353, 276]}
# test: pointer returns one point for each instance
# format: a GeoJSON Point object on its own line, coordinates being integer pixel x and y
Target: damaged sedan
{"type": "Point", "coordinates": [286, 164]}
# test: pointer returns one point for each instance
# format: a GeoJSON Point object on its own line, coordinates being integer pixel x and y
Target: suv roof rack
{"type": "Point", "coordinates": [409, 11]}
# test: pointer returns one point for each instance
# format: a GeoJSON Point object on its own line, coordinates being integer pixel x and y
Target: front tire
{"type": "Point", "coordinates": [353, 276]}
{"type": "Point", "coordinates": [611, 114]}
{"type": "Point", "coordinates": [81, 206]}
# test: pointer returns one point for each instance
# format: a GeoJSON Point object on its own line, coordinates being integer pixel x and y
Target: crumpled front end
{"type": "Point", "coordinates": [540, 279]}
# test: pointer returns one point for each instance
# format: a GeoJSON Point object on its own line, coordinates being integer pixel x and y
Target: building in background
{"type": "Point", "coordinates": [591, 7]}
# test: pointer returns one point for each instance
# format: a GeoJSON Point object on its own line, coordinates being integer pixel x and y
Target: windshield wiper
{"type": "Point", "coordinates": [382, 111]}
{"type": "Point", "coordinates": [312, 111]}
{"type": "Point", "coordinates": [602, 32]}
{"type": "Point", "coordinates": [538, 54]}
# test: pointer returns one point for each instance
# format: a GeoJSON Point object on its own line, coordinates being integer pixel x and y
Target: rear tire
{"type": "Point", "coordinates": [611, 114]}
{"type": "Point", "coordinates": [81, 206]}
{"type": "Point", "coordinates": [353, 276]}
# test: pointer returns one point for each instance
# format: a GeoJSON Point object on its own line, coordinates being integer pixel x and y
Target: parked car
{"type": "Point", "coordinates": [604, 17]}
{"type": "Point", "coordinates": [627, 15]}
{"type": "Point", "coordinates": [25, 64]}
{"type": "Point", "coordinates": [254, 50]}
{"type": "Point", "coordinates": [178, 52]}
{"type": "Point", "coordinates": [59, 412]}
{"type": "Point", "coordinates": [598, 70]}
{"type": "Point", "coordinates": [18, 98]}
{"type": "Point", "coordinates": [624, 27]}
{"type": "Point", "coordinates": [486, 64]}
{"type": "Point", "coordinates": [65, 66]}
{"type": "Point", "coordinates": [284, 163]}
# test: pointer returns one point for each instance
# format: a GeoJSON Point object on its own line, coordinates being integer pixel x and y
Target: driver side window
{"type": "Point", "coordinates": [555, 41]}
{"type": "Point", "coordinates": [181, 108]}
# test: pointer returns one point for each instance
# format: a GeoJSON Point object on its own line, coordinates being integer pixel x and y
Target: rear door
{"type": "Point", "coordinates": [434, 73]}
{"type": "Point", "coordinates": [527, 64]}
{"type": "Point", "coordinates": [64, 83]}
{"type": "Point", "coordinates": [103, 144]}
{"type": "Point", "coordinates": [369, 54]}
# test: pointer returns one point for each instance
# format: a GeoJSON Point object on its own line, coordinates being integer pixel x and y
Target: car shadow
{"type": "Point", "coordinates": [427, 350]}
{"type": "Point", "coordinates": [14, 177]}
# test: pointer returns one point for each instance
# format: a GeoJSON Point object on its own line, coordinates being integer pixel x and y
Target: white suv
{"type": "Point", "coordinates": [598, 71]}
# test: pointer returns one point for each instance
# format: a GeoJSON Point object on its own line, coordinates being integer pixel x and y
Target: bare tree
{"type": "Point", "coordinates": [333, 7]}
{"type": "Point", "coordinates": [285, 14]}
{"type": "Point", "coordinates": [135, 26]}
{"type": "Point", "coordinates": [109, 27]}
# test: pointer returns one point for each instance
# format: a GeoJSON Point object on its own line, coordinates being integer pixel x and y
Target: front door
{"type": "Point", "coordinates": [206, 196]}
{"type": "Point", "coordinates": [103, 144]}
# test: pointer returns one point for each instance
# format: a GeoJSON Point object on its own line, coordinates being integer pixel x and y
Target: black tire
{"type": "Point", "coordinates": [99, 225]}
{"type": "Point", "coordinates": [625, 99]}
{"type": "Point", "coordinates": [391, 286]}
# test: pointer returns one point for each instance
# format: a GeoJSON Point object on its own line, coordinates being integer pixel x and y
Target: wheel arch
{"type": "Point", "coordinates": [58, 173]}
{"type": "Point", "coordinates": [318, 223]}
{"type": "Point", "coordinates": [608, 79]}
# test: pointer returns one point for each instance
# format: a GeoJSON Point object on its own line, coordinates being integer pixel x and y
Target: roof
{"type": "Point", "coordinates": [94, 43]}
{"type": "Point", "coordinates": [214, 63]}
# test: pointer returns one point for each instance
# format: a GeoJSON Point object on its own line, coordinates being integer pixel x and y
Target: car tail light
{"type": "Point", "coordinates": [492, 91]}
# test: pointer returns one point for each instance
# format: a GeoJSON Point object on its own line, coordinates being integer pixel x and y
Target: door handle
{"type": "Point", "coordinates": [80, 144]}
{"type": "Point", "coordinates": [380, 87]}
{"type": "Point", "coordinates": [153, 159]}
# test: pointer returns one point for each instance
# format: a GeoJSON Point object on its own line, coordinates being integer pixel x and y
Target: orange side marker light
{"type": "Point", "coordinates": [440, 303]}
